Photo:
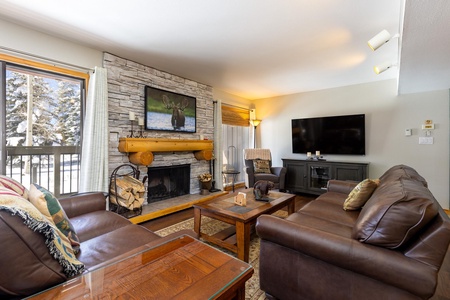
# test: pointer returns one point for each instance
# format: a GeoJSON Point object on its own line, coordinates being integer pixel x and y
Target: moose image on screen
{"type": "Point", "coordinates": [330, 135]}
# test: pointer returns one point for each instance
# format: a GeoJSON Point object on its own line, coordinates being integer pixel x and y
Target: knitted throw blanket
{"type": "Point", "coordinates": [257, 154]}
{"type": "Point", "coordinates": [34, 220]}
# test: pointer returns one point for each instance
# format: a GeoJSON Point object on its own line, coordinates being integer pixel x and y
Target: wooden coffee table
{"type": "Point", "coordinates": [182, 268]}
{"type": "Point", "coordinates": [237, 238]}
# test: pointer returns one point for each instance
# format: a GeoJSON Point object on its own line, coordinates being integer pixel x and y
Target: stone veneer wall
{"type": "Point", "coordinates": [126, 82]}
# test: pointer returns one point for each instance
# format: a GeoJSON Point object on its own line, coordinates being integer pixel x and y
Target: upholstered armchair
{"type": "Point", "coordinates": [258, 166]}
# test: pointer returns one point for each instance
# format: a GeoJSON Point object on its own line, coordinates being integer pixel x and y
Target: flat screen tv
{"type": "Point", "coordinates": [330, 135]}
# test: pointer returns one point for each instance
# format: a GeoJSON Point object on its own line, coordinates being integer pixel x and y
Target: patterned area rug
{"type": "Point", "coordinates": [211, 226]}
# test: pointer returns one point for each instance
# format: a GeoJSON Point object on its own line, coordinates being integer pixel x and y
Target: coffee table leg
{"type": "Point", "coordinates": [243, 240]}
{"type": "Point", "coordinates": [197, 221]}
{"type": "Point", "coordinates": [291, 206]}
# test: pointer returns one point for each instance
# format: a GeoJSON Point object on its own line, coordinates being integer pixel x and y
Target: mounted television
{"type": "Point", "coordinates": [330, 135]}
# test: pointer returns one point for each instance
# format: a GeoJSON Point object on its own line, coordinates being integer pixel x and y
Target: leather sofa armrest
{"type": "Point", "coordinates": [341, 186]}
{"type": "Point", "coordinates": [382, 264]}
{"type": "Point", "coordinates": [81, 204]}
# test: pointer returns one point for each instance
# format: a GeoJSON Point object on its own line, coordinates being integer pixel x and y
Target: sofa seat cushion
{"type": "Point", "coordinates": [328, 206]}
{"type": "Point", "coordinates": [97, 223]}
{"type": "Point", "coordinates": [396, 211]}
{"type": "Point", "coordinates": [266, 176]}
{"type": "Point", "coordinates": [102, 248]}
{"type": "Point", "coordinates": [321, 224]}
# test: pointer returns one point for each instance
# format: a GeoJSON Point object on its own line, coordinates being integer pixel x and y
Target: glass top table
{"type": "Point", "coordinates": [181, 268]}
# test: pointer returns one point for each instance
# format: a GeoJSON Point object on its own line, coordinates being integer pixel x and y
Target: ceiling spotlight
{"type": "Point", "coordinates": [380, 39]}
{"type": "Point", "coordinates": [383, 67]}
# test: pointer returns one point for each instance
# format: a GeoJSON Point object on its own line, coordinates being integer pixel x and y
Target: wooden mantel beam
{"type": "Point", "coordinates": [202, 148]}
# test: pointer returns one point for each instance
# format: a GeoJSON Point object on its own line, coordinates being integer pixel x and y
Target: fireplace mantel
{"type": "Point", "coordinates": [141, 150]}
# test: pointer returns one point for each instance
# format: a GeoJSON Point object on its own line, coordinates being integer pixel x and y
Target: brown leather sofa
{"type": "Point", "coordinates": [26, 264]}
{"type": "Point", "coordinates": [392, 248]}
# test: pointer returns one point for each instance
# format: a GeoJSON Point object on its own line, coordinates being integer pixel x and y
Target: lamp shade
{"type": "Point", "coordinates": [255, 122]}
{"type": "Point", "coordinates": [380, 39]}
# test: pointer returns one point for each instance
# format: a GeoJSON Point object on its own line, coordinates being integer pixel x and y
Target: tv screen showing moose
{"type": "Point", "coordinates": [169, 111]}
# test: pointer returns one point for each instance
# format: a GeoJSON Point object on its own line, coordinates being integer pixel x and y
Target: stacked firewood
{"type": "Point", "coordinates": [128, 192]}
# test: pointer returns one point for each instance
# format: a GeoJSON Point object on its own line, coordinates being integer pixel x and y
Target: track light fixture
{"type": "Point", "coordinates": [380, 39]}
{"type": "Point", "coordinates": [383, 67]}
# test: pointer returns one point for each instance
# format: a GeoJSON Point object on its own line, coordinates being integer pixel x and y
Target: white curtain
{"type": "Point", "coordinates": [218, 162]}
{"type": "Point", "coordinates": [94, 152]}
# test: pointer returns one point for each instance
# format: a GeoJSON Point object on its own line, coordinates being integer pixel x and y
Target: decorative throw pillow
{"type": "Point", "coordinates": [14, 185]}
{"type": "Point", "coordinates": [360, 194]}
{"type": "Point", "coordinates": [49, 206]}
{"type": "Point", "coordinates": [57, 243]}
{"type": "Point", "coordinates": [261, 166]}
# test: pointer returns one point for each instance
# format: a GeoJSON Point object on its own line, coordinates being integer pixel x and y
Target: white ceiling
{"type": "Point", "coordinates": [257, 48]}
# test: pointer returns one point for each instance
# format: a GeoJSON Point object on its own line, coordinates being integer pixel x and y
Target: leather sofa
{"type": "Point", "coordinates": [27, 266]}
{"type": "Point", "coordinates": [391, 248]}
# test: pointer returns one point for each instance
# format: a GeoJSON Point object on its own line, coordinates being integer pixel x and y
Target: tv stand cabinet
{"type": "Point", "coordinates": [311, 176]}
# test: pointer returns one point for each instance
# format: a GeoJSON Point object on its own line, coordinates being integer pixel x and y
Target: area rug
{"type": "Point", "coordinates": [211, 226]}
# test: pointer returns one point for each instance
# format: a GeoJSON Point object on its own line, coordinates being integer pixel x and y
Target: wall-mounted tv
{"type": "Point", "coordinates": [169, 111]}
{"type": "Point", "coordinates": [330, 135]}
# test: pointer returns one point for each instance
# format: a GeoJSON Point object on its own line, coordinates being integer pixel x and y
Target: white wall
{"type": "Point", "coordinates": [23, 39]}
{"type": "Point", "coordinates": [387, 117]}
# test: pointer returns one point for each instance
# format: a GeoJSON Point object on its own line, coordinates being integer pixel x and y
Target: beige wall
{"type": "Point", "coordinates": [387, 117]}
{"type": "Point", "coordinates": [23, 39]}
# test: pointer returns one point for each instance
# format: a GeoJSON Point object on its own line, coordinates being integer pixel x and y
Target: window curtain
{"type": "Point", "coordinates": [218, 160]}
{"type": "Point", "coordinates": [94, 151]}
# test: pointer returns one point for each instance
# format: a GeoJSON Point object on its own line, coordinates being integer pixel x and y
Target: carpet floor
{"type": "Point", "coordinates": [211, 226]}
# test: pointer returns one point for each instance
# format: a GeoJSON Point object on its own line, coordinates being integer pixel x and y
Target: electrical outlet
{"type": "Point", "coordinates": [426, 140]}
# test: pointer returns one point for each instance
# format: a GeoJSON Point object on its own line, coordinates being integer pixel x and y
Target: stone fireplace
{"type": "Point", "coordinates": [168, 182]}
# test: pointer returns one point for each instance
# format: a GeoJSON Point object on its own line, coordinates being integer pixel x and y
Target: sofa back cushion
{"type": "Point", "coordinates": [402, 171]}
{"type": "Point", "coordinates": [397, 210]}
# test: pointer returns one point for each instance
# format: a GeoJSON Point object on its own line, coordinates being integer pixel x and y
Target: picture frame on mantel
{"type": "Point", "coordinates": [169, 111]}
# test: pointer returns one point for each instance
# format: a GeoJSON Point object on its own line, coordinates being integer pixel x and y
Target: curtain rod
{"type": "Point", "coordinates": [233, 105]}
{"type": "Point", "coordinates": [45, 59]}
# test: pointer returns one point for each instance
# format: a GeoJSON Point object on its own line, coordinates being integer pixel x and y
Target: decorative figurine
{"type": "Point", "coordinates": [261, 189]}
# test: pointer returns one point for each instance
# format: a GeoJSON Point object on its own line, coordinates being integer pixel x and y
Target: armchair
{"type": "Point", "coordinates": [258, 166]}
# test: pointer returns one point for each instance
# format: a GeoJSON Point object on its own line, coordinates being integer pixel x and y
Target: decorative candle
{"type": "Point", "coordinates": [202, 137]}
{"type": "Point", "coordinates": [141, 121]}
{"type": "Point", "coordinates": [132, 116]}
{"type": "Point", "coordinates": [308, 154]}
{"type": "Point", "coordinates": [317, 153]}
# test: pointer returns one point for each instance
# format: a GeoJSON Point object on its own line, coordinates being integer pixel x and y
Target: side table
{"type": "Point", "coordinates": [233, 173]}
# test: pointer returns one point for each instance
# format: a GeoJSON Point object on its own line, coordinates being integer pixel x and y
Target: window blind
{"type": "Point", "coordinates": [232, 115]}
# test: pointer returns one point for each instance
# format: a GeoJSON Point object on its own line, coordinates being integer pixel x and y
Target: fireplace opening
{"type": "Point", "coordinates": [168, 182]}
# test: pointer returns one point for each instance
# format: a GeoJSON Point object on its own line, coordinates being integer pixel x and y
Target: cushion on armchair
{"type": "Point", "coordinates": [14, 185]}
{"type": "Point", "coordinates": [261, 166]}
{"type": "Point", "coordinates": [396, 211]}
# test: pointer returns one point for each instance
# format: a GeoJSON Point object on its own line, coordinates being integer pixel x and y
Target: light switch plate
{"type": "Point", "coordinates": [426, 140]}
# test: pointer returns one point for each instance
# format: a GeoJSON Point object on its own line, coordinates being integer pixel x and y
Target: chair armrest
{"type": "Point", "coordinates": [341, 186]}
{"type": "Point", "coordinates": [382, 264]}
{"type": "Point", "coordinates": [81, 204]}
{"type": "Point", "coordinates": [279, 171]}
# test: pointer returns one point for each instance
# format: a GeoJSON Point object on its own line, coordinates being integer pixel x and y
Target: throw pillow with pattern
{"type": "Point", "coordinates": [261, 166]}
{"type": "Point", "coordinates": [50, 207]}
{"type": "Point", "coordinates": [360, 194]}
{"type": "Point", "coordinates": [14, 185]}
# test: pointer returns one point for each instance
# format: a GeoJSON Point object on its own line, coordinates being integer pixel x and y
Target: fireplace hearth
{"type": "Point", "coordinates": [168, 182]}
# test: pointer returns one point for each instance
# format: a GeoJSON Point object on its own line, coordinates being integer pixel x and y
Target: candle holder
{"type": "Point", "coordinates": [131, 131]}
{"type": "Point", "coordinates": [141, 131]}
